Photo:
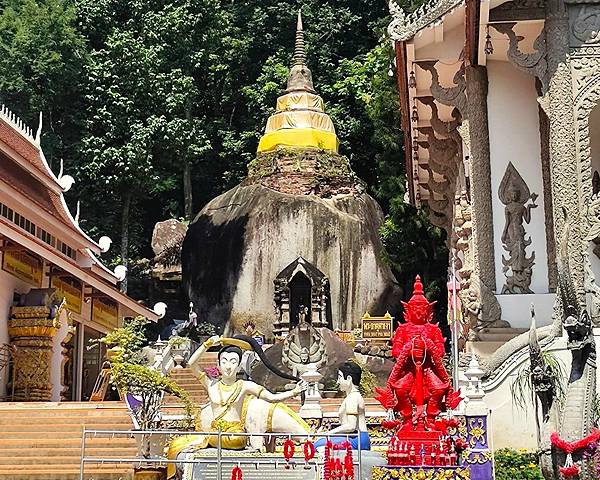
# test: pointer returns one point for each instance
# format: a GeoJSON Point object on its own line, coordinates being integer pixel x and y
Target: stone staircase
{"type": "Point", "coordinates": [491, 339]}
{"type": "Point", "coordinates": [188, 381]}
{"type": "Point", "coordinates": [42, 441]}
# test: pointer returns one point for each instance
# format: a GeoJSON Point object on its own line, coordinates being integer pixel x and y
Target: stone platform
{"type": "Point", "coordinates": [388, 472]}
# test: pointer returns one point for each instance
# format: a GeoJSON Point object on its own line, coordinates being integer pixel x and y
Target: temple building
{"type": "Point", "coordinates": [55, 294]}
{"type": "Point", "coordinates": [502, 140]}
{"type": "Point", "coordinates": [299, 234]}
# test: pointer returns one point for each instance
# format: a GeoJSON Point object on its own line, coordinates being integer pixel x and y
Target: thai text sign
{"type": "Point", "coordinates": [71, 290]}
{"type": "Point", "coordinates": [105, 312]}
{"type": "Point", "coordinates": [377, 328]}
{"type": "Point", "coordinates": [346, 336]}
{"type": "Point", "coordinates": [23, 266]}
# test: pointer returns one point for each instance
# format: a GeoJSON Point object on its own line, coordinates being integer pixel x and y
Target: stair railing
{"type": "Point", "coordinates": [163, 360]}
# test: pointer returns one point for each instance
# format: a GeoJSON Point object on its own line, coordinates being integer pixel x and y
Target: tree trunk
{"type": "Point", "coordinates": [187, 190]}
{"type": "Point", "coordinates": [125, 235]}
{"type": "Point", "coordinates": [188, 200]}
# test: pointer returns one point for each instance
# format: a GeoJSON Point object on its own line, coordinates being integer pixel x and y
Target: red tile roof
{"type": "Point", "coordinates": [18, 178]}
{"type": "Point", "coordinates": [24, 147]}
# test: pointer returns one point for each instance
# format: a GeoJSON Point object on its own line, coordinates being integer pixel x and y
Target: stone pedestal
{"type": "Point", "coordinates": [479, 456]}
{"type": "Point", "coordinates": [388, 472]}
{"type": "Point", "coordinates": [31, 332]}
{"type": "Point", "coordinates": [150, 474]}
{"type": "Point", "coordinates": [311, 408]}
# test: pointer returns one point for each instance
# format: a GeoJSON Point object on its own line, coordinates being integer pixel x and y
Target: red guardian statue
{"type": "Point", "coordinates": [418, 387]}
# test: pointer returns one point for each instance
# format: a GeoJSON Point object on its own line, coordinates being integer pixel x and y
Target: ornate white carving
{"type": "Point", "coordinates": [530, 63]}
{"type": "Point", "coordinates": [403, 26]}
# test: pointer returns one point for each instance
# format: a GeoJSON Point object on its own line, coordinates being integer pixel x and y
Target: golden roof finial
{"type": "Point", "coordinates": [299, 57]}
{"type": "Point", "coordinates": [300, 77]}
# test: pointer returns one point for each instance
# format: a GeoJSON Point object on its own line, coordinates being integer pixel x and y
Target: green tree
{"type": "Point", "coordinates": [42, 55]}
{"type": "Point", "coordinates": [146, 111]}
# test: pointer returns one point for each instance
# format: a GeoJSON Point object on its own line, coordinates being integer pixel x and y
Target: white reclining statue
{"type": "Point", "coordinates": [237, 406]}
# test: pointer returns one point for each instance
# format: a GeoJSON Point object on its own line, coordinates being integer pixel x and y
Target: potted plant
{"type": "Point", "coordinates": [124, 344]}
{"type": "Point", "coordinates": [331, 389]}
{"type": "Point", "coordinates": [142, 387]}
{"type": "Point", "coordinates": [205, 330]}
{"type": "Point", "coordinates": [145, 390]}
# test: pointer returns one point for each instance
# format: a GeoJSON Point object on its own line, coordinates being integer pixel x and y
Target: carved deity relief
{"type": "Point", "coordinates": [514, 194]}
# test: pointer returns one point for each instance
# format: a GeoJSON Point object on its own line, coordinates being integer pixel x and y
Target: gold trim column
{"type": "Point", "coordinates": [31, 332]}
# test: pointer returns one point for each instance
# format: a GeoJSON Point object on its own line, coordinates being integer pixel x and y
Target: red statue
{"type": "Point", "coordinates": [418, 387]}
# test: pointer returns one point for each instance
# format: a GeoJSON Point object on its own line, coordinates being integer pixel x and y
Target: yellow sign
{"type": "Point", "coordinates": [105, 312]}
{"type": "Point", "coordinates": [377, 328]}
{"type": "Point", "coordinates": [24, 266]}
{"type": "Point", "coordinates": [347, 336]}
{"type": "Point", "coordinates": [71, 290]}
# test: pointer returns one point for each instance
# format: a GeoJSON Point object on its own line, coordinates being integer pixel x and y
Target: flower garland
{"type": "Point", "coordinates": [309, 451]}
{"type": "Point", "coordinates": [236, 473]}
{"type": "Point", "coordinates": [288, 450]}
{"type": "Point", "coordinates": [572, 447]}
{"type": "Point", "coordinates": [349, 462]}
{"type": "Point", "coordinates": [569, 469]}
{"type": "Point", "coordinates": [327, 467]}
{"type": "Point", "coordinates": [335, 468]}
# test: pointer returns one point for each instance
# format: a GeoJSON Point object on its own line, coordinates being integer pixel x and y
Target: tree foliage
{"type": "Point", "coordinates": [157, 107]}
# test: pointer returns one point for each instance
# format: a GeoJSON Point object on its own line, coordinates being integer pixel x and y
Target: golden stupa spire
{"type": "Point", "coordinates": [300, 120]}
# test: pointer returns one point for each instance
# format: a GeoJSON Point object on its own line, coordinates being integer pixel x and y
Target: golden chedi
{"type": "Point", "coordinates": [300, 119]}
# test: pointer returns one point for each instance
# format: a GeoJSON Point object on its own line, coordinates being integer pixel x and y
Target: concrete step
{"type": "Point", "coordinates": [483, 349]}
{"type": "Point", "coordinates": [68, 474]}
{"type": "Point", "coordinates": [61, 427]}
{"type": "Point", "coordinates": [110, 472]}
{"type": "Point", "coordinates": [47, 419]}
{"type": "Point", "coordinates": [42, 441]}
{"type": "Point", "coordinates": [106, 451]}
{"type": "Point", "coordinates": [93, 442]}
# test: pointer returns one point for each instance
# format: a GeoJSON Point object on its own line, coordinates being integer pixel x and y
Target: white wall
{"type": "Point", "coordinates": [594, 123]}
{"type": "Point", "coordinates": [57, 358]}
{"type": "Point", "coordinates": [510, 425]}
{"type": "Point", "coordinates": [516, 309]}
{"type": "Point", "coordinates": [514, 137]}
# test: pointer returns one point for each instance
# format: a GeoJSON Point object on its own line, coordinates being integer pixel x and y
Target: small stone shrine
{"type": "Point", "coordinates": [299, 230]}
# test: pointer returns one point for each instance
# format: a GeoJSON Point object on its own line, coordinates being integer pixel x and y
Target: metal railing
{"type": "Point", "coordinates": [220, 458]}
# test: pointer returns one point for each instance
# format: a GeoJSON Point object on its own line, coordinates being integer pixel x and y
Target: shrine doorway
{"type": "Point", "coordinates": [300, 283]}
{"type": "Point", "coordinates": [300, 296]}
